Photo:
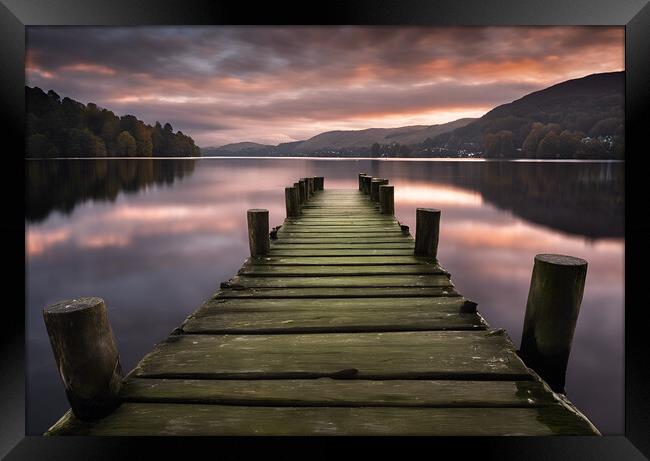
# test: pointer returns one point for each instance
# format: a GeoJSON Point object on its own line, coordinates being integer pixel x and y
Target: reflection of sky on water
{"type": "Point", "coordinates": [157, 254]}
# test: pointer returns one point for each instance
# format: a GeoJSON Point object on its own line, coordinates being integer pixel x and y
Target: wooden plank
{"type": "Point", "coordinates": [340, 392]}
{"type": "Point", "coordinates": [441, 304]}
{"type": "Point", "coordinates": [231, 420]}
{"type": "Point", "coordinates": [367, 292]}
{"type": "Point", "coordinates": [341, 261]}
{"type": "Point", "coordinates": [280, 251]}
{"type": "Point", "coordinates": [403, 244]}
{"type": "Point", "coordinates": [342, 222]}
{"type": "Point", "coordinates": [339, 229]}
{"type": "Point", "coordinates": [245, 316]}
{"type": "Point", "coordinates": [333, 270]}
{"type": "Point", "coordinates": [341, 282]}
{"type": "Point", "coordinates": [356, 236]}
{"type": "Point", "coordinates": [341, 205]}
{"type": "Point", "coordinates": [346, 322]}
{"type": "Point", "coordinates": [327, 212]}
{"type": "Point", "coordinates": [348, 239]}
{"type": "Point", "coordinates": [407, 355]}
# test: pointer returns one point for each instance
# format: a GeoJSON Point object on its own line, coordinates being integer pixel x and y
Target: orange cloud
{"type": "Point", "coordinates": [89, 68]}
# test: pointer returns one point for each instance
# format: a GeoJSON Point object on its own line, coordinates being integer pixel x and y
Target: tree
{"type": "Point", "coordinates": [375, 150]}
{"type": "Point", "coordinates": [125, 145]}
{"type": "Point", "coordinates": [498, 144]}
{"type": "Point", "coordinates": [548, 146]}
{"type": "Point", "coordinates": [69, 128]}
{"type": "Point", "coordinates": [82, 143]}
{"type": "Point", "coordinates": [39, 146]}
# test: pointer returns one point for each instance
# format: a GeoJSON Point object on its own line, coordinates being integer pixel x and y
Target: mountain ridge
{"type": "Point", "coordinates": [343, 139]}
{"type": "Point", "coordinates": [577, 118]}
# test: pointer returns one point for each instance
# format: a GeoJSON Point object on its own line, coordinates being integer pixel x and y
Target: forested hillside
{"type": "Point", "coordinates": [58, 127]}
{"type": "Point", "coordinates": [580, 118]}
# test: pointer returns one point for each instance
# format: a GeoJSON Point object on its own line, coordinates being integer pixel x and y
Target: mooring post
{"type": "Point", "coordinates": [366, 184]}
{"type": "Point", "coordinates": [374, 188]}
{"type": "Point", "coordinates": [386, 200]}
{"type": "Point", "coordinates": [86, 355]}
{"type": "Point", "coordinates": [310, 182]}
{"type": "Point", "coordinates": [307, 189]}
{"type": "Point", "coordinates": [296, 199]}
{"type": "Point", "coordinates": [319, 182]}
{"type": "Point", "coordinates": [554, 298]}
{"type": "Point", "coordinates": [361, 180]}
{"type": "Point", "coordinates": [296, 185]}
{"type": "Point", "coordinates": [427, 229]}
{"type": "Point", "coordinates": [258, 232]}
{"type": "Point", "coordinates": [304, 197]}
{"type": "Point", "coordinates": [291, 202]}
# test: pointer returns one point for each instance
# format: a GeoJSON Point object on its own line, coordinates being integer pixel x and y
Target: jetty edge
{"type": "Point", "coordinates": [339, 323]}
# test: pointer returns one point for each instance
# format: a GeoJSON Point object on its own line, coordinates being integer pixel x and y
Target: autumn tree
{"type": "Point", "coordinates": [126, 146]}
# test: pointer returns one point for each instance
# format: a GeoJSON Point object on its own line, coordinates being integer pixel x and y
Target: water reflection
{"type": "Point", "coordinates": [61, 185]}
{"type": "Point", "coordinates": [155, 255]}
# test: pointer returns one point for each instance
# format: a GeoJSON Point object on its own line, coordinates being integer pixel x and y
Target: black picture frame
{"type": "Point", "coordinates": [633, 14]}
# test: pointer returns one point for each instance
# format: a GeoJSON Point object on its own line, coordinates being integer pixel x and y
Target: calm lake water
{"type": "Point", "coordinates": [154, 238]}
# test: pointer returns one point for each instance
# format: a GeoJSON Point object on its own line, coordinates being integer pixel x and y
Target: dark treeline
{"type": "Point", "coordinates": [60, 185]}
{"type": "Point", "coordinates": [58, 127]}
{"type": "Point", "coordinates": [572, 198]}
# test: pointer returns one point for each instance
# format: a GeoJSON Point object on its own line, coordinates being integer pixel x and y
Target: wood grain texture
{"type": "Point", "coordinates": [318, 252]}
{"type": "Point", "coordinates": [410, 355]}
{"type": "Point", "coordinates": [246, 316]}
{"type": "Point", "coordinates": [402, 244]}
{"type": "Point", "coordinates": [191, 419]}
{"type": "Point", "coordinates": [336, 271]}
{"type": "Point", "coordinates": [352, 292]}
{"type": "Point", "coordinates": [358, 281]}
{"type": "Point", "coordinates": [339, 392]}
{"type": "Point", "coordinates": [374, 261]}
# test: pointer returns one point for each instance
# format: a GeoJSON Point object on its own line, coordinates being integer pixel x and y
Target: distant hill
{"type": "Point", "coordinates": [342, 142]}
{"type": "Point", "coordinates": [66, 128]}
{"type": "Point", "coordinates": [366, 138]}
{"type": "Point", "coordinates": [235, 148]}
{"type": "Point", "coordinates": [580, 118]}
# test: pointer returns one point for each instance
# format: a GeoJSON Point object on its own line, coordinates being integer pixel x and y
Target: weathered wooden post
{"type": "Point", "coordinates": [427, 228]}
{"type": "Point", "coordinates": [86, 355]}
{"type": "Point", "coordinates": [366, 184]}
{"type": "Point", "coordinates": [554, 298]}
{"type": "Point", "coordinates": [303, 191]}
{"type": "Point", "coordinates": [386, 200]}
{"type": "Point", "coordinates": [291, 202]}
{"type": "Point", "coordinates": [319, 182]}
{"type": "Point", "coordinates": [374, 188]}
{"type": "Point", "coordinates": [300, 195]}
{"type": "Point", "coordinates": [310, 182]}
{"type": "Point", "coordinates": [361, 180]}
{"type": "Point", "coordinates": [258, 232]}
{"type": "Point", "coordinates": [296, 199]}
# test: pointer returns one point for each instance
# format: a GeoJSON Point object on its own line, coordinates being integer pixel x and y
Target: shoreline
{"type": "Point", "coordinates": [382, 159]}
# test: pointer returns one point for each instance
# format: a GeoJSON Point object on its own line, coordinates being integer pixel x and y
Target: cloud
{"type": "Point", "coordinates": [225, 84]}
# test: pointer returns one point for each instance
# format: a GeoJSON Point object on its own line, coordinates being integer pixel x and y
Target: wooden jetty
{"type": "Point", "coordinates": [341, 324]}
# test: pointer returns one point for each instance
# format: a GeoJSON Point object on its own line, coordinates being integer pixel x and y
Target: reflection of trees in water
{"type": "Point", "coordinates": [584, 199]}
{"type": "Point", "coordinates": [62, 184]}
{"type": "Point", "coordinates": [578, 198]}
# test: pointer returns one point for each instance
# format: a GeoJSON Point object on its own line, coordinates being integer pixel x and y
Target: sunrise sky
{"type": "Point", "coordinates": [278, 84]}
